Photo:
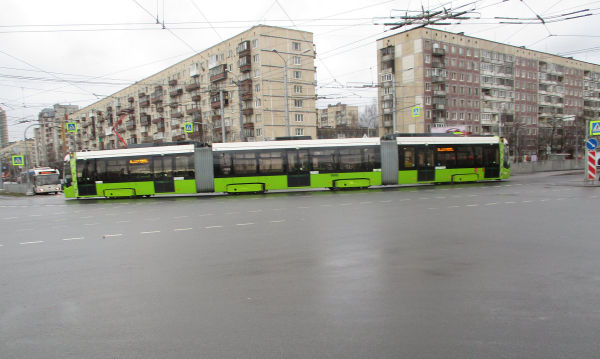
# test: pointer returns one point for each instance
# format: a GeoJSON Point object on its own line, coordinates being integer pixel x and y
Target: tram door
{"type": "Point", "coordinates": [163, 174]}
{"type": "Point", "coordinates": [298, 168]}
{"type": "Point", "coordinates": [491, 161]}
{"type": "Point", "coordinates": [425, 164]}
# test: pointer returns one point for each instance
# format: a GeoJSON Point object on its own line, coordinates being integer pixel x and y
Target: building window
{"type": "Point", "coordinates": [298, 103]}
{"type": "Point", "coordinates": [256, 72]}
{"type": "Point", "coordinates": [299, 132]}
{"type": "Point", "coordinates": [256, 59]}
{"type": "Point", "coordinates": [257, 102]}
{"type": "Point", "coordinates": [258, 132]}
{"type": "Point", "coordinates": [297, 60]}
{"type": "Point", "coordinates": [428, 100]}
{"type": "Point", "coordinates": [255, 43]}
{"type": "Point", "coordinates": [299, 117]}
{"type": "Point", "coordinates": [257, 118]}
{"type": "Point", "coordinates": [297, 74]}
{"type": "Point", "coordinates": [427, 59]}
{"type": "Point", "coordinates": [296, 46]}
{"type": "Point", "coordinates": [297, 89]}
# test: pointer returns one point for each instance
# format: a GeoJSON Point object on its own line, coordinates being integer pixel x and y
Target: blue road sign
{"type": "Point", "coordinates": [18, 161]}
{"type": "Point", "coordinates": [416, 111]}
{"type": "Point", "coordinates": [189, 127]}
{"type": "Point", "coordinates": [591, 144]}
{"type": "Point", "coordinates": [72, 127]}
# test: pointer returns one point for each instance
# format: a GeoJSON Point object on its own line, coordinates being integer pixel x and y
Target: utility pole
{"type": "Point", "coordinates": [394, 125]}
{"type": "Point", "coordinates": [285, 93]}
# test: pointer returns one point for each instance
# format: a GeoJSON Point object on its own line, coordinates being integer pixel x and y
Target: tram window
{"type": "Point", "coordinates": [478, 152]}
{"type": "Point", "coordinates": [86, 171]}
{"type": "Point", "coordinates": [371, 158]}
{"type": "Point", "coordinates": [323, 160]}
{"type": "Point", "coordinates": [139, 168]}
{"type": "Point", "coordinates": [424, 157]}
{"type": "Point", "coordinates": [184, 166]}
{"type": "Point", "coordinates": [244, 163]}
{"type": "Point", "coordinates": [350, 159]}
{"type": "Point", "coordinates": [222, 164]}
{"type": "Point", "coordinates": [297, 161]}
{"type": "Point", "coordinates": [490, 156]}
{"type": "Point", "coordinates": [446, 156]}
{"type": "Point", "coordinates": [270, 163]}
{"type": "Point", "coordinates": [163, 167]}
{"type": "Point", "coordinates": [407, 158]}
{"type": "Point", "coordinates": [464, 157]}
{"type": "Point", "coordinates": [114, 170]}
{"type": "Point", "coordinates": [67, 174]}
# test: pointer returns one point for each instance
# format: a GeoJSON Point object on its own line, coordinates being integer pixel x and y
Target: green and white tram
{"type": "Point", "coordinates": [279, 165]}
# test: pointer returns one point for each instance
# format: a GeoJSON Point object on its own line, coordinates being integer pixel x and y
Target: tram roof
{"type": "Point", "coordinates": [447, 140]}
{"type": "Point", "coordinates": [137, 151]}
{"type": "Point", "coordinates": [260, 145]}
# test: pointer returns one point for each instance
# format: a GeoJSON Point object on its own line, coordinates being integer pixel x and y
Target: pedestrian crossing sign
{"type": "Point", "coordinates": [594, 128]}
{"type": "Point", "coordinates": [71, 127]}
{"type": "Point", "coordinates": [416, 111]}
{"type": "Point", "coordinates": [188, 127]}
{"type": "Point", "coordinates": [18, 160]}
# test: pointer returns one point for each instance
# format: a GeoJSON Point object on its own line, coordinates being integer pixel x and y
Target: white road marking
{"type": "Point", "coordinates": [386, 201]}
{"type": "Point", "coordinates": [206, 214]}
{"type": "Point", "coordinates": [213, 227]}
{"type": "Point", "coordinates": [179, 217]}
{"type": "Point", "coordinates": [278, 221]}
{"type": "Point", "coordinates": [8, 218]}
{"type": "Point", "coordinates": [182, 229]}
{"type": "Point", "coordinates": [86, 217]}
{"type": "Point", "coordinates": [112, 235]}
{"type": "Point", "coordinates": [35, 215]}
{"type": "Point", "coordinates": [472, 205]}
{"type": "Point", "coordinates": [424, 198]}
{"type": "Point", "coordinates": [256, 211]}
{"type": "Point", "coordinates": [510, 202]}
{"type": "Point", "coordinates": [345, 204]}
{"type": "Point", "coordinates": [150, 232]}
{"type": "Point", "coordinates": [404, 199]}
{"type": "Point", "coordinates": [301, 207]}
{"type": "Point", "coordinates": [491, 204]}
{"type": "Point", "coordinates": [91, 224]}
{"type": "Point", "coordinates": [123, 221]}
{"type": "Point", "coordinates": [244, 224]}
{"type": "Point", "coordinates": [366, 202]}
{"type": "Point", "coordinates": [432, 208]}
{"type": "Point", "coordinates": [454, 207]}
{"type": "Point", "coordinates": [34, 242]}
{"type": "Point", "coordinates": [325, 205]}
{"type": "Point", "coordinates": [229, 213]}
{"type": "Point", "coordinates": [527, 201]}
{"type": "Point", "coordinates": [441, 197]}
{"type": "Point", "coordinates": [72, 239]}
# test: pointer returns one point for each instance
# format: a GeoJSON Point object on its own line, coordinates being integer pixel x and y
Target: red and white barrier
{"type": "Point", "coordinates": [591, 165]}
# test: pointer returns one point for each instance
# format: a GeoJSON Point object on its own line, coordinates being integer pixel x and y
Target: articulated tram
{"type": "Point", "coordinates": [240, 167]}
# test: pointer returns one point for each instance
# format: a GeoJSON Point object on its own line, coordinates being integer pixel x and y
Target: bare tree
{"type": "Point", "coordinates": [369, 117]}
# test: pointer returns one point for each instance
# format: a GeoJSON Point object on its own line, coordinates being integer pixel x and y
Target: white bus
{"type": "Point", "coordinates": [45, 180]}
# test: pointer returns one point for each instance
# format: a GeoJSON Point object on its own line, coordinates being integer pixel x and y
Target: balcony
{"type": "Point", "coordinates": [248, 111]}
{"type": "Point", "coordinates": [158, 120]}
{"type": "Point", "coordinates": [191, 87]}
{"type": "Point", "coordinates": [125, 111]}
{"type": "Point", "coordinates": [130, 125]}
{"type": "Point", "coordinates": [158, 136]}
{"type": "Point", "coordinates": [243, 48]}
{"type": "Point", "coordinates": [144, 101]}
{"type": "Point", "coordinates": [438, 65]}
{"type": "Point", "coordinates": [388, 97]}
{"type": "Point", "coordinates": [173, 104]}
{"type": "Point", "coordinates": [193, 110]}
{"type": "Point", "coordinates": [439, 106]}
{"type": "Point", "coordinates": [439, 93]}
{"type": "Point", "coordinates": [244, 63]}
{"type": "Point", "coordinates": [160, 127]}
{"type": "Point", "coordinates": [172, 82]}
{"type": "Point", "coordinates": [437, 79]}
{"type": "Point", "coordinates": [246, 96]}
{"type": "Point", "coordinates": [178, 114]}
{"type": "Point", "coordinates": [196, 98]}
{"type": "Point", "coordinates": [387, 123]}
{"type": "Point", "coordinates": [144, 119]}
{"type": "Point", "coordinates": [218, 73]}
{"type": "Point", "coordinates": [249, 125]}
{"type": "Point", "coordinates": [179, 138]}
{"type": "Point", "coordinates": [130, 99]}
{"type": "Point", "coordinates": [175, 124]}
{"type": "Point", "coordinates": [437, 51]}
{"type": "Point", "coordinates": [121, 129]}
{"type": "Point", "coordinates": [176, 92]}
{"type": "Point", "coordinates": [215, 100]}
{"type": "Point", "coordinates": [156, 97]}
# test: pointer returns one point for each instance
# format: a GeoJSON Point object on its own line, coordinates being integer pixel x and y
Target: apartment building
{"type": "Point", "coordinates": [432, 81]}
{"type": "Point", "coordinates": [232, 91]}
{"type": "Point", "coordinates": [338, 116]}
{"type": "Point", "coordinates": [51, 139]}
{"type": "Point", "coordinates": [3, 129]}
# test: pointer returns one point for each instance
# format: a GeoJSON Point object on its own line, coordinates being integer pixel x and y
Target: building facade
{"type": "Point", "coordinates": [24, 148]}
{"type": "Point", "coordinates": [3, 129]}
{"type": "Point", "coordinates": [340, 121]}
{"type": "Point", "coordinates": [52, 141]}
{"type": "Point", "coordinates": [233, 91]}
{"type": "Point", "coordinates": [436, 81]}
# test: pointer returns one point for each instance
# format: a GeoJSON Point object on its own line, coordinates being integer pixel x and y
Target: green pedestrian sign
{"type": "Point", "coordinates": [72, 127]}
{"type": "Point", "coordinates": [18, 160]}
{"type": "Point", "coordinates": [416, 111]}
{"type": "Point", "coordinates": [595, 128]}
{"type": "Point", "coordinates": [188, 127]}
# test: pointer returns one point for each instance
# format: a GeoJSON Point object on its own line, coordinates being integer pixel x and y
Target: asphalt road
{"type": "Point", "coordinates": [495, 270]}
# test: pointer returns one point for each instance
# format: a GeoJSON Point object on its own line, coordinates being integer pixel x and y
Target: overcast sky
{"type": "Point", "coordinates": [77, 51]}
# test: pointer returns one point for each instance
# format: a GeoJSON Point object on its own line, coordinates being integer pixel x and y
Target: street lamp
{"type": "Point", "coordinates": [285, 93]}
{"type": "Point", "coordinates": [239, 86]}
